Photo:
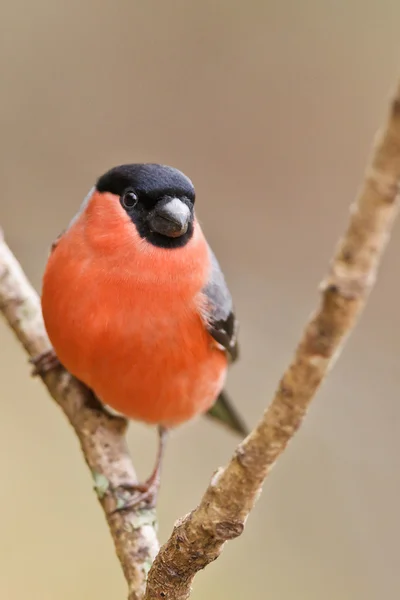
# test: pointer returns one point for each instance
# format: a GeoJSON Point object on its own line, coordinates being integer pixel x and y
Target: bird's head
{"type": "Point", "coordinates": [159, 201]}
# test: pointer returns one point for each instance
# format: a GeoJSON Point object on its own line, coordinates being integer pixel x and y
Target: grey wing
{"type": "Point", "coordinates": [80, 211]}
{"type": "Point", "coordinates": [221, 323]}
{"type": "Point", "coordinates": [55, 243]}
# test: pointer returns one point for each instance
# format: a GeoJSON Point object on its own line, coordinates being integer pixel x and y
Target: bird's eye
{"type": "Point", "coordinates": [129, 200]}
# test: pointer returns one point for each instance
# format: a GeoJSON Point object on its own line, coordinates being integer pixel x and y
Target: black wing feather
{"type": "Point", "coordinates": [221, 322]}
{"type": "Point", "coordinates": [222, 325]}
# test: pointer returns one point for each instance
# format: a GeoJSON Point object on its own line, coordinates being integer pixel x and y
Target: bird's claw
{"type": "Point", "coordinates": [44, 362]}
{"type": "Point", "coordinates": [144, 495]}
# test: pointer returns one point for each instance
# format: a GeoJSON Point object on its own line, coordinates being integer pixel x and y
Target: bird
{"type": "Point", "coordinates": [137, 308]}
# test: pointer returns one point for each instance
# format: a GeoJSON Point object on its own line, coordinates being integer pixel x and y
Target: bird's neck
{"type": "Point", "coordinates": [119, 252]}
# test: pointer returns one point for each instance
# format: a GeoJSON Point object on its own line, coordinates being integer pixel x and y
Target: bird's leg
{"type": "Point", "coordinates": [44, 362]}
{"type": "Point", "coordinates": [147, 492]}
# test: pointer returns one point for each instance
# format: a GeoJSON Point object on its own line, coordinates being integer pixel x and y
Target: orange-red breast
{"type": "Point", "coordinates": [135, 303]}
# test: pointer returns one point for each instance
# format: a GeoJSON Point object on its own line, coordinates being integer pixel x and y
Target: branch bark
{"type": "Point", "coordinates": [198, 538]}
{"type": "Point", "coordinates": [101, 436]}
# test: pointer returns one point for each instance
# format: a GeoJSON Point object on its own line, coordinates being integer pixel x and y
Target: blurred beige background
{"type": "Point", "coordinates": [270, 108]}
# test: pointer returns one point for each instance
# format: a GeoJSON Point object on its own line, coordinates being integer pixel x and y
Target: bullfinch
{"type": "Point", "coordinates": [137, 308]}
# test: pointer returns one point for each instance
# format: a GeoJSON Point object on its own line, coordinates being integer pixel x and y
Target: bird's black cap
{"type": "Point", "coordinates": [151, 180]}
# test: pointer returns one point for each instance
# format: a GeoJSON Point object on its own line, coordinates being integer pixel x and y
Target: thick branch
{"type": "Point", "coordinates": [198, 539]}
{"type": "Point", "coordinates": [101, 435]}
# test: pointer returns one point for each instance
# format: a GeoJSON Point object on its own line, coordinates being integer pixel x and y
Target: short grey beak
{"type": "Point", "coordinates": [170, 219]}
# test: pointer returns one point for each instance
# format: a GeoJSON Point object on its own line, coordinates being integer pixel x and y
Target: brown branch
{"type": "Point", "coordinates": [101, 435]}
{"type": "Point", "coordinates": [198, 539]}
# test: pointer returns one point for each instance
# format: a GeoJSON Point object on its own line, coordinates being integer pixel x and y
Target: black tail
{"type": "Point", "coordinates": [224, 412]}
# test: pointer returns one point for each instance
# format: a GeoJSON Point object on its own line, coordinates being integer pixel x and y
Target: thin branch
{"type": "Point", "coordinates": [101, 435]}
{"type": "Point", "coordinates": [221, 515]}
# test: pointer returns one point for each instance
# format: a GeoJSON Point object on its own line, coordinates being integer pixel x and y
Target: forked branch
{"type": "Point", "coordinates": [221, 515]}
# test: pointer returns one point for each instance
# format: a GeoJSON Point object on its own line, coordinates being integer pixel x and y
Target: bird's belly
{"type": "Point", "coordinates": [151, 361]}
{"type": "Point", "coordinates": [164, 386]}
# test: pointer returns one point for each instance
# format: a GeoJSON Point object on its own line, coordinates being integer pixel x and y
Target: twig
{"type": "Point", "coordinates": [101, 435]}
{"type": "Point", "coordinates": [198, 539]}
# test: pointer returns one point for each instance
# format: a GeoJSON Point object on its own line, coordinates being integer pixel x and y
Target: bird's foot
{"type": "Point", "coordinates": [143, 495]}
{"type": "Point", "coordinates": [44, 362]}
